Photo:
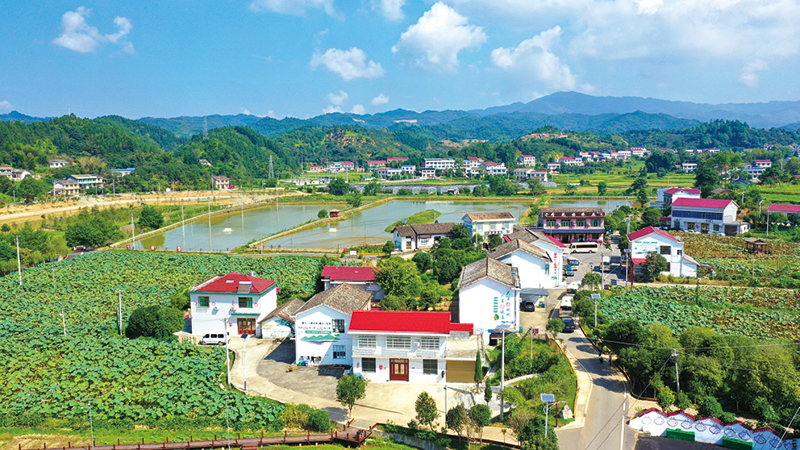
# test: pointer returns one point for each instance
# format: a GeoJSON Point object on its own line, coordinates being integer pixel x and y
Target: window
{"type": "Point", "coordinates": [368, 365]}
{"type": "Point", "coordinates": [245, 302]}
{"type": "Point", "coordinates": [547, 269]}
{"type": "Point", "coordinates": [551, 223]}
{"type": "Point", "coordinates": [665, 249]}
{"type": "Point", "coordinates": [398, 342]}
{"type": "Point", "coordinates": [595, 223]}
{"type": "Point", "coordinates": [430, 366]}
{"type": "Point", "coordinates": [580, 223]}
{"type": "Point", "coordinates": [202, 301]}
{"type": "Point", "coordinates": [680, 252]}
{"type": "Point", "coordinates": [366, 342]}
{"type": "Point", "coordinates": [337, 325]}
{"type": "Point", "coordinates": [566, 223]}
{"type": "Point", "coordinates": [339, 352]}
{"type": "Point", "coordinates": [429, 343]}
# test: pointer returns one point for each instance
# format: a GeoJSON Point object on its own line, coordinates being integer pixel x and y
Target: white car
{"type": "Point", "coordinates": [573, 287]}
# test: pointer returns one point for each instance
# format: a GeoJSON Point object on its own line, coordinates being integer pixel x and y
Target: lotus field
{"type": "Point", "coordinates": [47, 375]}
{"type": "Point", "coordinates": [712, 246]}
{"type": "Point", "coordinates": [754, 312]}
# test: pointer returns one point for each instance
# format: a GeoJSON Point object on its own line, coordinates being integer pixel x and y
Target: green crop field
{"type": "Point", "coordinates": [49, 375]}
{"type": "Point", "coordinates": [753, 312]}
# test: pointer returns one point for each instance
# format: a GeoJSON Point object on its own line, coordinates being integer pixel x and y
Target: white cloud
{"type": "Point", "coordinates": [358, 109]}
{"type": "Point", "coordinates": [78, 35]}
{"type": "Point", "coordinates": [532, 60]}
{"type": "Point", "coordinates": [330, 109]}
{"type": "Point", "coordinates": [338, 99]}
{"type": "Point", "coordinates": [434, 41]}
{"type": "Point", "coordinates": [295, 7]}
{"type": "Point", "coordinates": [4, 104]}
{"type": "Point", "coordinates": [380, 100]}
{"type": "Point", "coordinates": [348, 64]}
{"type": "Point", "coordinates": [391, 9]}
{"type": "Point", "coordinates": [751, 71]}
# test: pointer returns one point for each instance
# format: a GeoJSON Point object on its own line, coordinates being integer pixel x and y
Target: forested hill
{"type": "Point", "coordinates": [717, 133]}
{"type": "Point", "coordinates": [164, 138]}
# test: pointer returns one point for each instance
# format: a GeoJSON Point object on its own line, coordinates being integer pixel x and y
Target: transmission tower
{"type": "Point", "coordinates": [271, 169]}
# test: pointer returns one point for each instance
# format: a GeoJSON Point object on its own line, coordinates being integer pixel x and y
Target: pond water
{"type": "Point", "coordinates": [365, 227]}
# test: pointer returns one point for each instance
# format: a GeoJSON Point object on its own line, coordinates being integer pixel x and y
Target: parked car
{"type": "Point", "coordinates": [569, 325]}
{"type": "Point", "coordinates": [573, 287]}
{"type": "Point", "coordinates": [565, 308]}
{"type": "Point", "coordinates": [212, 339]}
{"type": "Point", "coordinates": [568, 271]}
{"type": "Point", "coordinates": [528, 305]}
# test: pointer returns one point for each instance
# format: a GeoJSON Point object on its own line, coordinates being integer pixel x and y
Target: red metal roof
{"type": "Point", "coordinates": [637, 261]}
{"type": "Point", "coordinates": [402, 321]}
{"type": "Point", "coordinates": [468, 327]}
{"type": "Point", "coordinates": [701, 203]}
{"type": "Point", "coordinates": [777, 207]}
{"type": "Point", "coordinates": [762, 161]}
{"type": "Point", "coordinates": [229, 284]}
{"type": "Point", "coordinates": [687, 190]}
{"type": "Point", "coordinates": [556, 241]}
{"type": "Point", "coordinates": [344, 273]}
{"type": "Point", "coordinates": [649, 230]}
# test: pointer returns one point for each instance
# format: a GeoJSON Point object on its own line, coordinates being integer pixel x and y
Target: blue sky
{"type": "Point", "coordinates": [302, 58]}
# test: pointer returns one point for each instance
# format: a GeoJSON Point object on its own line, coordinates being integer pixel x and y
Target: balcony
{"type": "Point", "coordinates": [403, 353]}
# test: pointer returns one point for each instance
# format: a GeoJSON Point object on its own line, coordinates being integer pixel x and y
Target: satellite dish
{"type": "Point", "coordinates": [548, 397]}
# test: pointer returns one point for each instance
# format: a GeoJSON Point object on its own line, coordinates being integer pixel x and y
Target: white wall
{"type": "Point", "coordinates": [476, 305]}
{"type": "Point", "coordinates": [678, 266]}
{"type": "Point", "coordinates": [533, 272]}
{"type": "Point", "coordinates": [319, 319]}
{"type": "Point", "coordinates": [209, 320]}
{"type": "Point", "coordinates": [557, 255]}
{"type": "Point", "coordinates": [276, 327]}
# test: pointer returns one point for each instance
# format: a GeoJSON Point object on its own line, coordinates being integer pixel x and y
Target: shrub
{"type": "Point", "coordinates": [709, 407]}
{"type": "Point", "coordinates": [319, 420]}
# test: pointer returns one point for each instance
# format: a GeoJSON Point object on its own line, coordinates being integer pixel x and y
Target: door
{"type": "Point", "coordinates": [398, 370]}
{"type": "Point", "coordinates": [246, 326]}
{"type": "Point", "coordinates": [460, 371]}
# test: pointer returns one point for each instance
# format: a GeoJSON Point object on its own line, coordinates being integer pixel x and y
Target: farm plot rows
{"type": "Point", "coordinates": [712, 246]}
{"type": "Point", "coordinates": [47, 375]}
{"type": "Point", "coordinates": [728, 311]}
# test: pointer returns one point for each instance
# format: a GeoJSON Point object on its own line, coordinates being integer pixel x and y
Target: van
{"type": "Point", "coordinates": [212, 339]}
{"type": "Point", "coordinates": [606, 264]}
{"type": "Point", "coordinates": [573, 262]}
{"type": "Point", "coordinates": [565, 310]}
{"type": "Point", "coordinates": [584, 247]}
{"type": "Point", "coordinates": [573, 287]}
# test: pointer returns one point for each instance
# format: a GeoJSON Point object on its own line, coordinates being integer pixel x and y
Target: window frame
{"type": "Point", "coordinates": [366, 362]}
{"type": "Point", "coordinates": [338, 326]}
{"type": "Point", "coordinates": [200, 301]}
{"type": "Point", "coordinates": [365, 340]}
{"type": "Point", "coordinates": [425, 343]}
{"type": "Point", "coordinates": [426, 369]}
{"type": "Point", "coordinates": [391, 342]}
{"type": "Point", "coordinates": [664, 250]}
{"type": "Point", "coordinates": [339, 351]}
{"type": "Point", "coordinates": [245, 302]}
{"type": "Point", "coordinates": [580, 223]}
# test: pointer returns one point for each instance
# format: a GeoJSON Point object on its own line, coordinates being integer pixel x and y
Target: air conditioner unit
{"type": "Point", "coordinates": [234, 307]}
{"type": "Point", "coordinates": [416, 344]}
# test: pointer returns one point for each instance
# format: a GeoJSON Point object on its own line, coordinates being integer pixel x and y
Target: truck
{"type": "Point", "coordinates": [606, 264]}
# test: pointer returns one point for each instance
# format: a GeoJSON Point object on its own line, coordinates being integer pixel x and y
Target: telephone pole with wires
{"type": "Point", "coordinates": [677, 378]}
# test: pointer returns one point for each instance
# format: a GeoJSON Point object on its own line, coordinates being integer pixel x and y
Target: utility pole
{"type": "Point", "coordinates": [119, 292]}
{"type": "Point", "coordinates": [502, 375]}
{"type": "Point", "coordinates": [133, 233]}
{"type": "Point", "coordinates": [183, 227]}
{"type": "Point", "coordinates": [677, 378]}
{"type": "Point", "coordinates": [19, 263]}
{"type": "Point", "coordinates": [64, 321]}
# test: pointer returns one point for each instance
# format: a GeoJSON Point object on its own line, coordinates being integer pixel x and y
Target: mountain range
{"type": "Point", "coordinates": [562, 110]}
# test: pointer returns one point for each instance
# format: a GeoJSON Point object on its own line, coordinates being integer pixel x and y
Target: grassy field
{"type": "Point", "coordinates": [427, 216]}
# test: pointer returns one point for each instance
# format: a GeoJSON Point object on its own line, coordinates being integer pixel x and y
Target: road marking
{"type": "Point", "coordinates": [622, 425]}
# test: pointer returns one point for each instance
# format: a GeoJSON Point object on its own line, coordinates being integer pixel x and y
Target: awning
{"type": "Point", "coordinates": [534, 291]}
{"type": "Point", "coordinates": [637, 261]}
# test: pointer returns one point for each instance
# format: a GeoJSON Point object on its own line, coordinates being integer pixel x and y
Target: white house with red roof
{"type": "Point", "coordinates": [707, 216]}
{"type": "Point", "coordinates": [472, 165]}
{"type": "Point", "coordinates": [652, 240]}
{"type": "Point", "coordinates": [232, 304]}
{"type": "Point", "coordinates": [570, 161]}
{"type": "Point", "coordinates": [360, 277]}
{"type": "Point", "coordinates": [666, 196]}
{"type": "Point", "coordinates": [492, 168]}
{"type": "Point", "coordinates": [488, 297]}
{"type": "Point", "coordinates": [552, 246]}
{"type": "Point", "coordinates": [783, 209]}
{"type": "Point", "coordinates": [412, 346]}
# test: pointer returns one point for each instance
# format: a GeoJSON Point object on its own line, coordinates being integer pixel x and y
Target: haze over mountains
{"type": "Point", "coordinates": [563, 110]}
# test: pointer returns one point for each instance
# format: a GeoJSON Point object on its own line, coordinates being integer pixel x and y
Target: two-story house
{"type": "Point", "coordinates": [439, 163]}
{"type": "Point", "coordinates": [412, 346]}
{"type": "Point", "coordinates": [322, 324]}
{"type": "Point", "coordinates": [67, 186]}
{"type": "Point", "coordinates": [488, 293]}
{"type": "Point", "coordinates": [666, 196]}
{"type": "Point", "coordinates": [649, 240]}
{"type": "Point", "coordinates": [360, 277]}
{"type": "Point", "coordinates": [88, 181]}
{"type": "Point", "coordinates": [415, 237]}
{"type": "Point", "coordinates": [525, 174]}
{"type": "Point", "coordinates": [553, 167]}
{"type": "Point", "coordinates": [527, 160]}
{"type": "Point", "coordinates": [232, 304]}
{"type": "Point", "coordinates": [472, 165]}
{"type": "Point", "coordinates": [221, 182]}
{"type": "Point", "coordinates": [573, 224]}
{"type": "Point", "coordinates": [570, 161]}
{"type": "Point", "coordinates": [490, 168]}
{"type": "Point", "coordinates": [708, 216]}
{"type": "Point", "coordinates": [57, 163]}
{"type": "Point", "coordinates": [487, 224]}
{"type": "Point", "coordinates": [376, 164]}
{"type": "Point", "coordinates": [552, 246]}
{"type": "Point", "coordinates": [533, 264]}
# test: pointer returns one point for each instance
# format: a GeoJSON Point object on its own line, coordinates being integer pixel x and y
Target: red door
{"type": "Point", "coordinates": [246, 326]}
{"type": "Point", "coordinates": [398, 370]}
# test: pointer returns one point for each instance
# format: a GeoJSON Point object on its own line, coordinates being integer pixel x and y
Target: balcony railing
{"type": "Point", "coordinates": [408, 353]}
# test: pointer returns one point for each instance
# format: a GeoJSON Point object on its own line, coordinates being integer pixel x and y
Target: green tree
{"type": "Point", "coordinates": [349, 390]}
{"type": "Point", "coordinates": [480, 416]}
{"type": "Point", "coordinates": [393, 303]}
{"type": "Point", "coordinates": [271, 182]}
{"type": "Point", "coordinates": [446, 269]}
{"type": "Point", "coordinates": [150, 218]}
{"type": "Point", "coordinates": [319, 420]}
{"type": "Point", "coordinates": [641, 197]}
{"type": "Point", "coordinates": [460, 231]}
{"type": "Point", "coordinates": [30, 188]}
{"type": "Point", "coordinates": [154, 321]}
{"type": "Point", "coordinates": [592, 280]}
{"type": "Point", "coordinates": [322, 214]}
{"type": "Point", "coordinates": [682, 401]}
{"type": "Point", "coordinates": [536, 187]}
{"type": "Point", "coordinates": [429, 297]}
{"type": "Point", "coordinates": [399, 277]}
{"type": "Point", "coordinates": [388, 247]}
{"type": "Point", "coordinates": [651, 217]}
{"type": "Point", "coordinates": [570, 189]}
{"type": "Point", "coordinates": [500, 186]}
{"type": "Point", "coordinates": [423, 261]}
{"type": "Point", "coordinates": [706, 178]}
{"type": "Point", "coordinates": [653, 265]}
{"type": "Point", "coordinates": [708, 406]}
{"type": "Point", "coordinates": [495, 240]}
{"type": "Point", "coordinates": [665, 398]}
{"type": "Point", "coordinates": [487, 393]}
{"type": "Point", "coordinates": [456, 419]}
{"type": "Point", "coordinates": [338, 187]}
{"type": "Point", "coordinates": [602, 188]}
{"type": "Point", "coordinates": [555, 325]}
{"type": "Point", "coordinates": [478, 375]}
{"type": "Point", "coordinates": [354, 200]}
{"type": "Point", "coordinates": [427, 413]}
{"type": "Point", "coordinates": [638, 184]}
{"type": "Point", "coordinates": [372, 188]}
